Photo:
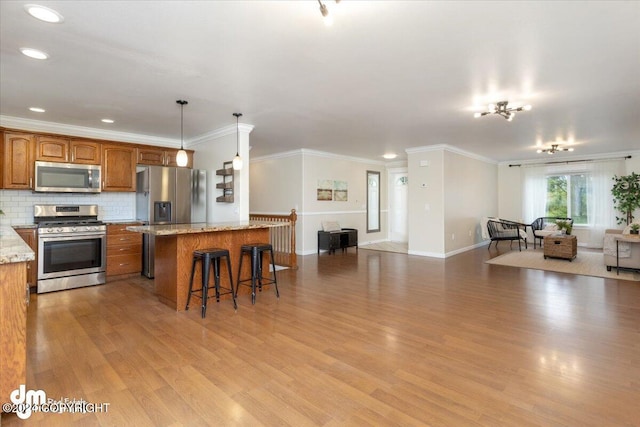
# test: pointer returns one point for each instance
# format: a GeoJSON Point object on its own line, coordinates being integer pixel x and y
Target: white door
{"type": "Point", "coordinates": [398, 218]}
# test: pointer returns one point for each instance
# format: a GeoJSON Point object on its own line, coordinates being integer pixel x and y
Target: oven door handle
{"type": "Point", "coordinates": [73, 236]}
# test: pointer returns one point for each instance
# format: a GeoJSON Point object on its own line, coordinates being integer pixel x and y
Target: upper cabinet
{"type": "Point", "coordinates": [18, 160]}
{"type": "Point", "coordinates": [19, 151]}
{"type": "Point", "coordinates": [52, 149]}
{"type": "Point", "coordinates": [160, 156]}
{"type": "Point", "coordinates": [85, 152]}
{"type": "Point", "coordinates": [58, 149]}
{"type": "Point", "coordinates": [151, 156]}
{"type": "Point", "coordinates": [118, 167]}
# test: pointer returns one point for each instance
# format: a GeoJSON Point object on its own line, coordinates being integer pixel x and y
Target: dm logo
{"type": "Point", "coordinates": [25, 400]}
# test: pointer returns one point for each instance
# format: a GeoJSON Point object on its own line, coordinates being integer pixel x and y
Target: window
{"type": "Point", "coordinates": [567, 197]}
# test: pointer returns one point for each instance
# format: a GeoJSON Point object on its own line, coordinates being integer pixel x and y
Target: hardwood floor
{"type": "Point", "coordinates": [368, 338]}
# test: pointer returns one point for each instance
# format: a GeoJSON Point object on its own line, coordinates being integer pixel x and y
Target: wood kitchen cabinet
{"type": "Point", "coordinates": [118, 167]}
{"type": "Point", "coordinates": [30, 237]}
{"type": "Point", "coordinates": [124, 250]}
{"type": "Point", "coordinates": [85, 152]}
{"type": "Point", "coordinates": [13, 333]}
{"type": "Point", "coordinates": [161, 157]}
{"type": "Point", "coordinates": [18, 161]}
{"type": "Point", "coordinates": [66, 150]}
{"type": "Point", "coordinates": [52, 149]}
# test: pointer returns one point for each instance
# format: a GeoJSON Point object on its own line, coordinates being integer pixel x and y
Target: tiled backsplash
{"type": "Point", "coordinates": [18, 204]}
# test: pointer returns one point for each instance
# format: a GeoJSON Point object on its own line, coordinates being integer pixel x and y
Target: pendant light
{"type": "Point", "coordinates": [237, 160]}
{"type": "Point", "coordinates": [181, 158]}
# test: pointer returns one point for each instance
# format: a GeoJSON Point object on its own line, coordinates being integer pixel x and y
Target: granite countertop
{"type": "Point", "coordinates": [202, 227]}
{"type": "Point", "coordinates": [13, 248]}
{"type": "Point", "coordinates": [23, 226]}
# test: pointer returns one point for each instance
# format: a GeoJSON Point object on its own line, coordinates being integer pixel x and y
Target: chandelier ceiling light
{"type": "Point", "coordinates": [501, 109]}
{"type": "Point", "coordinates": [328, 20]}
{"type": "Point", "coordinates": [554, 149]}
{"type": "Point", "coordinates": [181, 158]}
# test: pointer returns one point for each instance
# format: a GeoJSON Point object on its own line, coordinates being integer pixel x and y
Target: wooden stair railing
{"type": "Point", "coordinates": [283, 238]}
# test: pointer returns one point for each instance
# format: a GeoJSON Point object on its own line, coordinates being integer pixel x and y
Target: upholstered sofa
{"type": "Point", "coordinates": [629, 252]}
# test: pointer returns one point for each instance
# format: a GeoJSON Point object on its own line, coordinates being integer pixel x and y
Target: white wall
{"type": "Point", "coordinates": [276, 184]}
{"type": "Point", "coordinates": [449, 192]}
{"type": "Point", "coordinates": [466, 199]}
{"type": "Point", "coordinates": [210, 154]}
{"type": "Point", "coordinates": [290, 180]}
{"type": "Point", "coordinates": [426, 201]}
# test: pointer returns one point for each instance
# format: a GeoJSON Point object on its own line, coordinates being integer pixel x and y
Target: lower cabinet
{"type": "Point", "coordinates": [14, 299]}
{"type": "Point", "coordinates": [332, 240]}
{"type": "Point", "coordinates": [30, 236]}
{"type": "Point", "coordinates": [124, 250]}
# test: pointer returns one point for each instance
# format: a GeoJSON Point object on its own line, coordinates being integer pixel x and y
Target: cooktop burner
{"type": "Point", "coordinates": [67, 219]}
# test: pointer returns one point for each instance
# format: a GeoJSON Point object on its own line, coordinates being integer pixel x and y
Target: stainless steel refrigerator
{"type": "Point", "coordinates": [167, 195]}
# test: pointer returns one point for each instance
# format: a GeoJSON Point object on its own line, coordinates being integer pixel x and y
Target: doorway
{"type": "Point", "coordinates": [398, 199]}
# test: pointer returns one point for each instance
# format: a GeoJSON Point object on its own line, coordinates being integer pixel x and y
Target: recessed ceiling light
{"type": "Point", "coordinates": [43, 13]}
{"type": "Point", "coordinates": [390, 156]}
{"type": "Point", "coordinates": [36, 109]}
{"type": "Point", "coordinates": [107, 121]}
{"type": "Point", "coordinates": [33, 53]}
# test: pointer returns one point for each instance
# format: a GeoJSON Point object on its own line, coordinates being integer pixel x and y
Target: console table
{"type": "Point", "coordinates": [342, 239]}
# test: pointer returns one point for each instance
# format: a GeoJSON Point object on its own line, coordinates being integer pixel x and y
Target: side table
{"type": "Point", "coordinates": [561, 246]}
{"type": "Point", "coordinates": [631, 238]}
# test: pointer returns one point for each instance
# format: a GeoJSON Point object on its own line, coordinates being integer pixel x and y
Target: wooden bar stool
{"type": "Point", "coordinates": [206, 256]}
{"type": "Point", "coordinates": [255, 252]}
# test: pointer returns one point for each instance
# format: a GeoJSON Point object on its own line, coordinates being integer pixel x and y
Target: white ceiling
{"type": "Point", "coordinates": [387, 76]}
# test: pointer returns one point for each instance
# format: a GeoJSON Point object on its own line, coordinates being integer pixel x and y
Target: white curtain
{"type": "Point", "coordinates": [600, 209]}
{"type": "Point", "coordinates": [534, 192]}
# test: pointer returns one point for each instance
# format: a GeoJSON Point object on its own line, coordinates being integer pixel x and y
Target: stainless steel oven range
{"type": "Point", "coordinates": [72, 246]}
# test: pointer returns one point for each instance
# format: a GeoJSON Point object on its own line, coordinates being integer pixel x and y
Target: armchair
{"type": "Point", "coordinates": [500, 229]}
{"type": "Point", "coordinates": [546, 226]}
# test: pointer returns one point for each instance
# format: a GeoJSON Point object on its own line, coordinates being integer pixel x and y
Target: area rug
{"type": "Point", "coordinates": [586, 264]}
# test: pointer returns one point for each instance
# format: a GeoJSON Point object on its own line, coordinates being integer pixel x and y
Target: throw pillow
{"type": "Point", "coordinates": [330, 226]}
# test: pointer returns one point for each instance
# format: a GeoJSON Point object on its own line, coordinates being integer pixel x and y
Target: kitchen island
{"type": "Point", "coordinates": [175, 244]}
{"type": "Point", "coordinates": [15, 254]}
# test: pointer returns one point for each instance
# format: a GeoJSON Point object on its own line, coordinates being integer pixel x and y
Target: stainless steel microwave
{"type": "Point", "coordinates": [54, 177]}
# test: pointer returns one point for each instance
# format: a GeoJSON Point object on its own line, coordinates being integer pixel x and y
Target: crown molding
{"type": "Point", "coordinates": [451, 149]}
{"type": "Point", "coordinates": [219, 133]}
{"type": "Point", "coordinates": [325, 154]}
{"type": "Point", "coordinates": [85, 132]}
{"type": "Point", "coordinates": [276, 156]}
{"type": "Point", "coordinates": [316, 153]}
{"type": "Point", "coordinates": [574, 158]}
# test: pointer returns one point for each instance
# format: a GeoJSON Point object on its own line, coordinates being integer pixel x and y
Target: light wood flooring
{"type": "Point", "coordinates": [356, 339]}
{"type": "Point", "coordinates": [400, 247]}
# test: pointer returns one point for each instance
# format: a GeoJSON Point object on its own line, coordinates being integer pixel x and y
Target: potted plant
{"type": "Point", "coordinates": [626, 196]}
{"type": "Point", "coordinates": [635, 228]}
{"type": "Point", "coordinates": [564, 227]}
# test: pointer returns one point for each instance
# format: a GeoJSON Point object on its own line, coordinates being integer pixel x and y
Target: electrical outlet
{"type": "Point", "coordinates": [453, 237]}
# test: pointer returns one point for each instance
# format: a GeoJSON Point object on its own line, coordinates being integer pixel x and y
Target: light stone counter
{"type": "Point", "coordinates": [175, 244]}
{"type": "Point", "coordinates": [202, 227]}
{"type": "Point", "coordinates": [13, 248]}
